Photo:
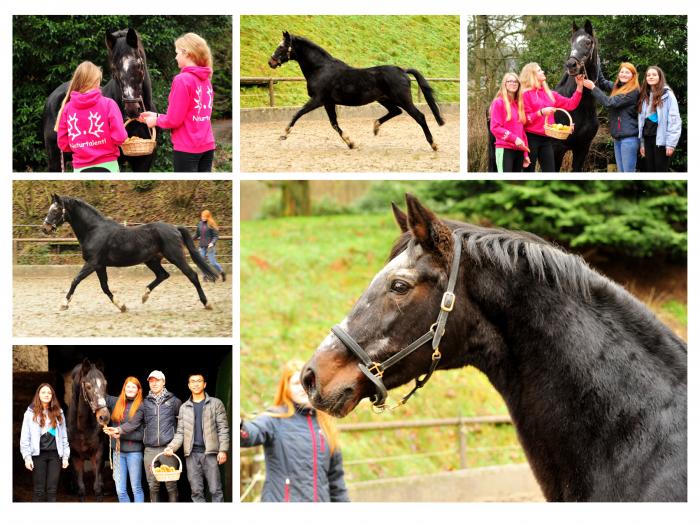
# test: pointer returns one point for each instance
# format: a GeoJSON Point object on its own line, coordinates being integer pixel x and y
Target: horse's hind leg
{"type": "Point", "coordinates": [79, 467]}
{"type": "Point", "coordinates": [309, 106]}
{"type": "Point", "coordinates": [97, 467]}
{"type": "Point", "coordinates": [330, 109]}
{"type": "Point", "coordinates": [420, 118]}
{"type": "Point", "coordinates": [102, 276]}
{"type": "Point", "coordinates": [161, 275]}
{"type": "Point", "coordinates": [176, 257]}
{"type": "Point", "coordinates": [394, 111]}
{"type": "Point", "coordinates": [86, 270]}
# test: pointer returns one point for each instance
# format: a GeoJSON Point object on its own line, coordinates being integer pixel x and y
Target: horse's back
{"type": "Point", "coordinates": [352, 86]}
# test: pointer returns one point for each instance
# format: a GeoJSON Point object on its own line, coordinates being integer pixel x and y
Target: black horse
{"type": "Point", "coordinates": [330, 81]}
{"type": "Point", "coordinates": [87, 414]}
{"type": "Point", "coordinates": [596, 386]}
{"type": "Point", "coordinates": [583, 59]}
{"type": "Point", "coordinates": [129, 87]}
{"type": "Point", "coordinates": [105, 242]}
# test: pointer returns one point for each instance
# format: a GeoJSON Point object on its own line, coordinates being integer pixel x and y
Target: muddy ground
{"type": "Point", "coordinates": [173, 309]}
{"type": "Point", "coordinates": [313, 145]}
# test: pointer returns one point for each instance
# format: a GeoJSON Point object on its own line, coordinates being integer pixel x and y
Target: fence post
{"type": "Point", "coordinates": [271, 89]}
{"type": "Point", "coordinates": [463, 431]}
{"type": "Point", "coordinates": [15, 247]}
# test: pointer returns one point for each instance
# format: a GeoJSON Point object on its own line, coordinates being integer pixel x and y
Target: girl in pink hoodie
{"type": "Point", "coordinates": [190, 106]}
{"type": "Point", "coordinates": [88, 124]}
{"type": "Point", "coordinates": [507, 118]}
{"type": "Point", "coordinates": [540, 101]}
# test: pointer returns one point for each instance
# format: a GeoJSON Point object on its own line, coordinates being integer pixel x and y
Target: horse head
{"type": "Point", "coordinates": [584, 49]}
{"type": "Point", "coordinates": [283, 53]}
{"type": "Point", "coordinates": [91, 387]}
{"type": "Point", "coordinates": [56, 215]}
{"type": "Point", "coordinates": [127, 61]}
{"type": "Point", "coordinates": [401, 316]}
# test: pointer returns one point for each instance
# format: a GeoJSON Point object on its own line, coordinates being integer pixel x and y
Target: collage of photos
{"type": "Point", "coordinates": [351, 278]}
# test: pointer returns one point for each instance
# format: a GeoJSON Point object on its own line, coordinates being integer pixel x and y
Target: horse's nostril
{"type": "Point", "coordinates": [308, 379]}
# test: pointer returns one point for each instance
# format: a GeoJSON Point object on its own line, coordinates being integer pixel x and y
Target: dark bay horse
{"type": "Point", "coordinates": [130, 87]}
{"type": "Point", "coordinates": [595, 385]}
{"type": "Point", "coordinates": [330, 82]}
{"type": "Point", "coordinates": [583, 59]}
{"type": "Point", "coordinates": [87, 414]}
{"type": "Point", "coordinates": [104, 243]}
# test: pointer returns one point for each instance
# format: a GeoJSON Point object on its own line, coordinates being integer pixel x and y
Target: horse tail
{"type": "Point", "coordinates": [428, 94]}
{"type": "Point", "coordinates": [194, 253]}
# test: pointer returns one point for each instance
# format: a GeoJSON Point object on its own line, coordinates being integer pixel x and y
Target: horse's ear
{"type": "Point", "coordinates": [286, 36]}
{"type": "Point", "coordinates": [430, 232]}
{"type": "Point", "coordinates": [110, 39]}
{"type": "Point", "coordinates": [574, 27]}
{"type": "Point", "coordinates": [588, 27]}
{"type": "Point", "coordinates": [132, 38]}
{"type": "Point", "coordinates": [401, 218]}
{"type": "Point", "coordinates": [87, 365]}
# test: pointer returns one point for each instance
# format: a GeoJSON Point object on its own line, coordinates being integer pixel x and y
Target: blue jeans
{"type": "Point", "coordinates": [130, 466]}
{"type": "Point", "coordinates": [626, 154]}
{"type": "Point", "coordinates": [210, 254]}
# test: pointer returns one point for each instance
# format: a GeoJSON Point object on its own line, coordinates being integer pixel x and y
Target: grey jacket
{"type": "Point", "coordinates": [669, 126]}
{"type": "Point", "coordinates": [30, 437]}
{"type": "Point", "coordinates": [622, 110]}
{"type": "Point", "coordinates": [214, 422]}
{"type": "Point", "coordinates": [299, 465]}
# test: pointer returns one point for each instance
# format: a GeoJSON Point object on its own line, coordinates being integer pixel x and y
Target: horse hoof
{"type": "Point", "coordinates": [208, 306]}
{"type": "Point", "coordinates": [64, 307]}
{"type": "Point", "coordinates": [145, 297]}
{"type": "Point", "coordinates": [434, 146]}
{"type": "Point", "coordinates": [122, 308]}
{"type": "Point", "coordinates": [283, 137]}
{"type": "Point", "coordinates": [376, 127]}
{"type": "Point", "coordinates": [351, 145]}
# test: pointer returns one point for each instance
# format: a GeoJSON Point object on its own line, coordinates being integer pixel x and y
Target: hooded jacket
{"type": "Point", "coordinates": [506, 131]}
{"type": "Point", "coordinates": [91, 128]}
{"type": "Point", "coordinates": [299, 465]}
{"type": "Point", "coordinates": [668, 132]}
{"type": "Point", "coordinates": [190, 105]}
{"type": "Point", "coordinates": [622, 109]}
{"type": "Point", "coordinates": [30, 437]}
{"type": "Point", "coordinates": [536, 99]}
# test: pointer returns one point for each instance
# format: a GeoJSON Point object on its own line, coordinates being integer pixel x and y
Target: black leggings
{"type": "Point", "coordinates": [512, 160]}
{"type": "Point", "coordinates": [655, 159]}
{"type": "Point", "coordinates": [96, 170]}
{"type": "Point", "coordinates": [47, 467]}
{"type": "Point", "coordinates": [540, 149]}
{"type": "Point", "coordinates": [193, 162]}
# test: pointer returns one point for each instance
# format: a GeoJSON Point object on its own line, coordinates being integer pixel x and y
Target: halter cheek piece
{"type": "Point", "coordinates": [93, 406]}
{"type": "Point", "coordinates": [374, 371]}
{"type": "Point", "coordinates": [62, 220]}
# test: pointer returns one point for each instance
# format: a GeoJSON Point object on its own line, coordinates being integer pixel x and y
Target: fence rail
{"type": "Point", "coordinates": [269, 83]}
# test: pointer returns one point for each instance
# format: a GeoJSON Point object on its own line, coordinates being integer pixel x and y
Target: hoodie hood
{"type": "Point", "coordinates": [87, 99]}
{"type": "Point", "coordinates": [201, 72]}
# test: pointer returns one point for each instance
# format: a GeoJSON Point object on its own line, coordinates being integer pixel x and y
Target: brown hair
{"type": "Point", "coordinates": [120, 406]}
{"type": "Point", "coordinates": [84, 79]}
{"type": "Point", "coordinates": [53, 411]}
{"type": "Point", "coordinates": [655, 91]}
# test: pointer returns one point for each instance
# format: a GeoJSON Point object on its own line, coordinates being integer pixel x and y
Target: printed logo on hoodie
{"type": "Point", "coordinates": [95, 129]}
{"type": "Point", "coordinates": [199, 106]}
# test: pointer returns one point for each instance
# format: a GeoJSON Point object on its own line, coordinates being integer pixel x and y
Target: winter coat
{"type": "Point", "coordinates": [299, 465]}
{"type": "Point", "coordinates": [668, 132]}
{"type": "Point", "coordinates": [536, 99]}
{"type": "Point", "coordinates": [190, 104]}
{"type": "Point", "coordinates": [211, 235]}
{"type": "Point", "coordinates": [622, 110]}
{"type": "Point", "coordinates": [506, 131]}
{"type": "Point", "coordinates": [214, 425]}
{"type": "Point", "coordinates": [128, 441]}
{"type": "Point", "coordinates": [30, 437]}
{"type": "Point", "coordinates": [91, 127]}
{"type": "Point", "coordinates": [159, 421]}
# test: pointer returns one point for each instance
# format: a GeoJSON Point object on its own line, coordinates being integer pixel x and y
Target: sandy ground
{"type": "Point", "coordinates": [313, 145]}
{"type": "Point", "coordinates": [173, 308]}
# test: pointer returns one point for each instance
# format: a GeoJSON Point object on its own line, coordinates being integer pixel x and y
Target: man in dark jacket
{"type": "Point", "coordinates": [160, 410]}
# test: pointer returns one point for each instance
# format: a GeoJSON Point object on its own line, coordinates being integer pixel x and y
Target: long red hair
{"type": "Point", "coordinates": [621, 89]}
{"type": "Point", "coordinates": [210, 219]}
{"type": "Point", "coordinates": [118, 412]}
{"type": "Point", "coordinates": [53, 411]}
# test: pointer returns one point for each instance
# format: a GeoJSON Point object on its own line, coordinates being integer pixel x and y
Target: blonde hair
{"type": "Point", "coordinates": [528, 79]}
{"type": "Point", "coordinates": [283, 399]}
{"type": "Point", "coordinates": [631, 85]}
{"type": "Point", "coordinates": [86, 76]}
{"type": "Point", "coordinates": [196, 48]}
{"type": "Point", "coordinates": [504, 94]}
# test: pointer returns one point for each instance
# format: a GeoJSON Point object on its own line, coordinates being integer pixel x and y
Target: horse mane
{"type": "Point", "coordinates": [313, 46]}
{"type": "Point", "coordinates": [504, 249]}
{"type": "Point", "coordinates": [73, 204]}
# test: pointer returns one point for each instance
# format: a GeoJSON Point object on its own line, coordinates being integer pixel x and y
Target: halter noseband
{"type": "Point", "coordinates": [94, 406]}
{"type": "Point", "coordinates": [62, 219]}
{"type": "Point", "coordinates": [374, 371]}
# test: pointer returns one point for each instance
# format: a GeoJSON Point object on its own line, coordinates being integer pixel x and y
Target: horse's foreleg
{"type": "Point", "coordinates": [79, 467]}
{"type": "Point", "coordinates": [393, 112]}
{"type": "Point", "coordinates": [86, 270]}
{"type": "Point", "coordinates": [330, 109]}
{"type": "Point", "coordinates": [102, 275]}
{"type": "Point", "coordinates": [161, 275]}
{"type": "Point", "coordinates": [97, 467]}
{"type": "Point", "coordinates": [309, 106]}
{"type": "Point", "coordinates": [420, 118]}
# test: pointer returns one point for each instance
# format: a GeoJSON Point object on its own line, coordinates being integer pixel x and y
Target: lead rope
{"type": "Point", "coordinates": [114, 463]}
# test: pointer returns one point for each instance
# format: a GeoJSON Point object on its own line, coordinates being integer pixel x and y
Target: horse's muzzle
{"type": "Point", "coordinates": [274, 63]}
{"type": "Point", "coordinates": [47, 228]}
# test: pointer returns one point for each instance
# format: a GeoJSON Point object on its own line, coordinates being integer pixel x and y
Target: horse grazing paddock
{"type": "Point", "coordinates": [171, 311]}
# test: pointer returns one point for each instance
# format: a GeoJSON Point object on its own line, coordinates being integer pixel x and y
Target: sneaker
{"type": "Point", "coordinates": [223, 276]}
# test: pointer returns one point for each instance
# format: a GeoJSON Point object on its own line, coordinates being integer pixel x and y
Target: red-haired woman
{"type": "Point", "coordinates": [44, 442]}
{"type": "Point", "coordinates": [302, 458]}
{"type": "Point", "coordinates": [129, 446]}
{"type": "Point", "coordinates": [208, 234]}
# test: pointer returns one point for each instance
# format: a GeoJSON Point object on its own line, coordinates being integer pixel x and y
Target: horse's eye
{"type": "Point", "coordinates": [88, 386]}
{"type": "Point", "coordinates": [400, 287]}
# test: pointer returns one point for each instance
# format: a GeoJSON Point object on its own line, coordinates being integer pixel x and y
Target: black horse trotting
{"type": "Point", "coordinates": [330, 82]}
{"type": "Point", "coordinates": [105, 242]}
{"type": "Point", "coordinates": [130, 87]}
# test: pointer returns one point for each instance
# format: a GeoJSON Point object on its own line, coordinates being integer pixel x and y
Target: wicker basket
{"type": "Point", "coordinates": [558, 133]}
{"type": "Point", "coordinates": [166, 476]}
{"type": "Point", "coordinates": [138, 147]}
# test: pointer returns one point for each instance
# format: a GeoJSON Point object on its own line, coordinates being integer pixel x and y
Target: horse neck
{"type": "Point", "coordinates": [81, 414]}
{"type": "Point", "coordinates": [82, 219]}
{"type": "Point", "coordinates": [311, 58]}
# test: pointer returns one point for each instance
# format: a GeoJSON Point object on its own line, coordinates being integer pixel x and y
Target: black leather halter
{"type": "Point", "coordinates": [375, 371]}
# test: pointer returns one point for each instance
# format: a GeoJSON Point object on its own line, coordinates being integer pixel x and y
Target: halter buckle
{"type": "Point", "coordinates": [436, 354]}
{"type": "Point", "coordinates": [448, 302]}
{"type": "Point", "coordinates": [376, 369]}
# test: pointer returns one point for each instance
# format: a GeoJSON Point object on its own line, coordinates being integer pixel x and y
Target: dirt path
{"type": "Point", "coordinates": [314, 146]}
{"type": "Point", "coordinates": [172, 310]}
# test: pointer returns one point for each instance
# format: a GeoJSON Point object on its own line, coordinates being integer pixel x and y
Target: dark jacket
{"type": "Point", "coordinates": [297, 458]}
{"type": "Point", "coordinates": [211, 235]}
{"type": "Point", "coordinates": [159, 422]}
{"type": "Point", "coordinates": [214, 425]}
{"type": "Point", "coordinates": [129, 441]}
{"type": "Point", "coordinates": [622, 109]}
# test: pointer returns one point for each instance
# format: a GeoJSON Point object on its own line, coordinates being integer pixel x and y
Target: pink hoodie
{"type": "Point", "coordinates": [190, 104]}
{"type": "Point", "coordinates": [536, 99]}
{"type": "Point", "coordinates": [91, 128]}
{"type": "Point", "coordinates": [506, 131]}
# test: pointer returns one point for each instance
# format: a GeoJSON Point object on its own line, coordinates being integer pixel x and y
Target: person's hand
{"type": "Point", "coordinates": [641, 151]}
{"type": "Point", "coordinates": [211, 244]}
{"type": "Point", "coordinates": [579, 82]}
{"type": "Point", "coordinates": [150, 120]}
{"type": "Point", "coordinates": [669, 151]}
{"type": "Point", "coordinates": [65, 462]}
{"type": "Point", "coordinates": [29, 464]}
{"type": "Point", "coordinates": [588, 84]}
{"type": "Point", "coordinates": [168, 451]}
{"type": "Point", "coordinates": [221, 458]}
{"type": "Point", "coordinates": [526, 162]}
{"type": "Point", "coordinates": [145, 114]}
{"type": "Point", "coordinates": [519, 143]}
{"type": "Point", "coordinates": [547, 111]}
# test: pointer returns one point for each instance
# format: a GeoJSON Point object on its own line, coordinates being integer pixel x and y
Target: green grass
{"type": "Point", "coordinates": [299, 277]}
{"type": "Point", "coordinates": [677, 310]}
{"type": "Point", "coordinates": [429, 44]}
